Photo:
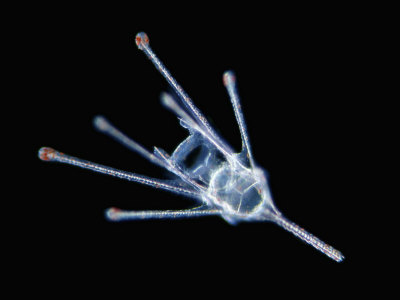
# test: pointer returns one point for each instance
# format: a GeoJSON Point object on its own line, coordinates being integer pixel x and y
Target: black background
{"type": "Point", "coordinates": [298, 76]}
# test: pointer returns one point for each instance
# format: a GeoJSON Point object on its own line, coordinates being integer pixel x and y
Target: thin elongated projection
{"type": "Point", "coordinates": [225, 183]}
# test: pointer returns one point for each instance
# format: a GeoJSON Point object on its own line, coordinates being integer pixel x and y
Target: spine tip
{"type": "Point", "coordinates": [47, 154]}
{"type": "Point", "coordinates": [113, 214]}
{"type": "Point", "coordinates": [142, 40]}
{"type": "Point", "coordinates": [228, 78]}
{"type": "Point", "coordinates": [100, 123]}
{"type": "Point", "coordinates": [167, 100]}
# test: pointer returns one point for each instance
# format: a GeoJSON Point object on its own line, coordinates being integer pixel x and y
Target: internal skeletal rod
{"type": "Point", "coordinates": [169, 102]}
{"type": "Point", "coordinates": [161, 159]}
{"type": "Point", "coordinates": [142, 41]}
{"type": "Point", "coordinates": [49, 154]}
{"type": "Point", "coordinates": [229, 80]}
{"type": "Point", "coordinates": [116, 214]}
{"type": "Point", "coordinates": [104, 126]}
{"type": "Point", "coordinates": [308, 238]}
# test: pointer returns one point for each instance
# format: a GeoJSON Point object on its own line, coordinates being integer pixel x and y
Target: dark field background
{"type": "Point", "coordinates": [299, 79]}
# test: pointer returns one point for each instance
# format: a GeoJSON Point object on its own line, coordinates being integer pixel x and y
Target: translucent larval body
{"type": "Point", "coordinates": [236, 192]}
{"type": "Point", "coordinates": [226, 183]}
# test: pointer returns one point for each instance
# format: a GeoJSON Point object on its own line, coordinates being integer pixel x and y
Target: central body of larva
{"type": "Point", "coordinates": [236, 191]}
{"type": "Point", "coordinates": [239, 193]}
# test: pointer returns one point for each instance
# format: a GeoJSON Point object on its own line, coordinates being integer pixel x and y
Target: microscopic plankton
{"type": "Point", "coordinates": [226, 183]}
